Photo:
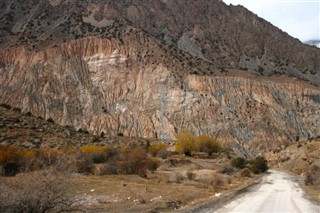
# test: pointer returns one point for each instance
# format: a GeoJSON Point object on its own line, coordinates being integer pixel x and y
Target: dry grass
{"type": "Point", "coordinates": [191, 183]}
{"type": "Point", "coordinates": [45, 191]}
{"type": "Point", "coordinates": [188, 185]}
{"type": "Point", "coordinates": [117, 185]}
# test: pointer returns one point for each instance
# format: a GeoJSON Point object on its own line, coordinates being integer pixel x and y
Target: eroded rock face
{"type": "Point", "coordinates": [98, 85]}
{"type": "Point", "coordinates": [144, 68]}
{"type": "Point", "coordinates": [221, 35]}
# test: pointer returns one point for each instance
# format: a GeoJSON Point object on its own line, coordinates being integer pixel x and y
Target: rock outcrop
{"type": "Point", "coordinates": [30, 132]}
{"type": "Point", "coordinates": [126, 76]}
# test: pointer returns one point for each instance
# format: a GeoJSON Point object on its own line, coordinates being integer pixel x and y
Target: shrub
{"type": "Point", "coordinates": [43, 191]}
{"type": "Point", "coordinates": [96, 154]}
{"type": "Point", "coordinates": [17, 109]}
{"type": "Point", "coordinates": [109, 168]}
{"type": "Point", "coordinates": [99, 157]}
{"type": "Point", "coordinates": [120, 134]}
{"type": "Point", "coordinates": [163, 154]}
{"type": "Point", "coordinates": [190, 175]}
{"type": "Point", "coordinates": [227, 170]}
{"type": "Point", "coordinates": [238, 162]}
{"type": "Point", "coordinates": [30, 154]}
{"type": "Point", "coordinates": [258, 165]}
{"type": "Point", "coordinates": [102, 134]}
{"type": "Point", "coordinates": [185, 143]}
{"type": "Point", "coordinates": [129, 161]}
{"type": "Point", "coordinates": [85, 166]}
{"type": "Point", "coordinates": [28, 114]}
{"type": "Point", "coordinates": [48, 156]}
{"type": "Point", "coordinates": [6, 106]}
{"type": "Point", "coordinates": [81, 160]}
{"type": "Point", "coordinates": [14, 159]}
{"type": "Point", "coordinates": [207, 144]}
{"type": "Point", "coordinates": [313, 175]}
{"type": "Point", "coordinates": [178, 177]}
{"type": "Point", "coordinates": [50, 120]}
{"type": "Point", "coordinates": [11, 160]}
{"type": "Point", "coordinates": [96, 139]}
{"type": "Point", "coordinates": [70, 150]}
{"type": "Point", "coordinates": [146, 165]}
{"type": "Point", "coordinates": [155, 149]}
{"type": "Point", "coordinates": [11, 168]}
{"type": "Point", "coordinates": [246, 173]}
{"type": "Point", "coordinates": [68, 163]}
{"type": "Point", "coordinates": [92, 149]}
{"type": "Point", "coordinates": [217, 181]}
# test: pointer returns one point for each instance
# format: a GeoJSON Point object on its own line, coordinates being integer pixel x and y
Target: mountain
{"type": "Point", "coordinates": [313, 42]}
{"type": "Point", "coordinates": [153, 68]}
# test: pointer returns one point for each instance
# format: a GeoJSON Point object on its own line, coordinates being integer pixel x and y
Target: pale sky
{"type": "Point", "coordinates": [299, 18]}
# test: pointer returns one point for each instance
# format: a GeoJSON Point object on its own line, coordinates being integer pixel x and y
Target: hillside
{"type": "Point", "coordinates": [75, 170]}
{"type": "Point", "coordinates": [27, 131]}
{"type": "Point", "coordinates": [155, 68]}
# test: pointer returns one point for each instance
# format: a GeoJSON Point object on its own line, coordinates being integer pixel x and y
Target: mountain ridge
{"type": "Point", "coordinates": [233, 36]}
{"type": "Point", "coordinates": [103, 67]}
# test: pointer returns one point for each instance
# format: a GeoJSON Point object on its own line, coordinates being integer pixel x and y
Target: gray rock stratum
{"type": "Point", "coordinates": [121, 77]}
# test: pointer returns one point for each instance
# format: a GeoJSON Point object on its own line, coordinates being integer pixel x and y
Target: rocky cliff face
{"type": "Point", "coordinates": [125, 76]}
{"type": "Point", "coordinates": [209, 30]}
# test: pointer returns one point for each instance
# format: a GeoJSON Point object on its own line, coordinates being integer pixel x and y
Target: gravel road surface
{"type": "Point", "coordinates": [278, 192]}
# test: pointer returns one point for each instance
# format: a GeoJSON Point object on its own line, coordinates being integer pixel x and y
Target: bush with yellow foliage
{"type": "Point", "coordinates": [207, 144]}
{"type": "Point", "coordinates": [156, 148]}
{"type": "Point", "coordinates": [186, 143]}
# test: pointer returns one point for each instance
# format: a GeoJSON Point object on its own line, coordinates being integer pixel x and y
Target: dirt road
{"type": "Point", "coordinates": [278, 192]}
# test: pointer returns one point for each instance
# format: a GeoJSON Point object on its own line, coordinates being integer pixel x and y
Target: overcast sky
{"type": "Point", "coordinates": [299, 18]}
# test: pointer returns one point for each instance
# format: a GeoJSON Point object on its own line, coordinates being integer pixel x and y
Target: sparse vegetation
{"type": "Point", "coordinates": [256, 165]}
{"type": "Point", "coordinates": [82, 160]}
{"type": "Point", "coordinates": [100, 163]}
